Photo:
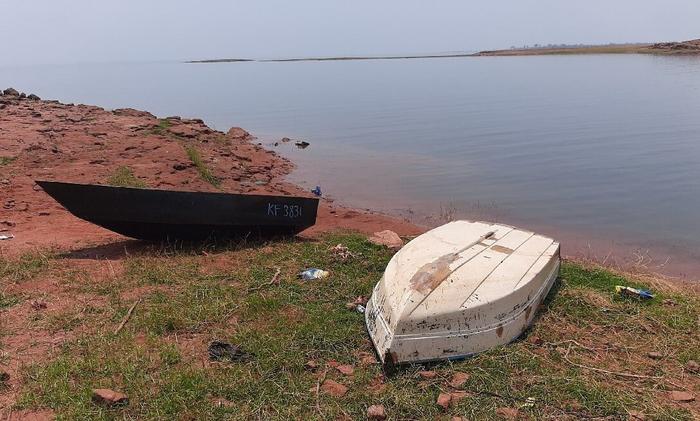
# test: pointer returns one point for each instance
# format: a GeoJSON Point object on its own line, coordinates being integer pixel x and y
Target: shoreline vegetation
{"type": "Point", "coordinates": [691, 47]}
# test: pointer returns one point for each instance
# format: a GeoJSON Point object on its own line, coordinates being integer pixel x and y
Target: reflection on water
{"type": "Point", "coordinates": [600, 149]}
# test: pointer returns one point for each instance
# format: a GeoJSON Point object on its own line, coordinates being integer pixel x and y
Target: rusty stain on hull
{"type": "Point", "coordinates": [430, 275]}
{"type": "Point", "coordinates": [502, 249]}
{"type": "Point", "coordinates": [499, 331]}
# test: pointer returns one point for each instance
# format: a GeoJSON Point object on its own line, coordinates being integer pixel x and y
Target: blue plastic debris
{"type": "Point", "coordinates": [634, 292]}
{"type": "Point", "coordinates": [313, 273]}
{"type": "Point", "coordinates": [317, 191]}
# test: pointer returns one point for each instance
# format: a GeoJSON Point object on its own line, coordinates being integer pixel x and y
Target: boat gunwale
{"type": "Point", "coordinates": [141, 189]}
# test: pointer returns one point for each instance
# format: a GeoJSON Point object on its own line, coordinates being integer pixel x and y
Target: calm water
{"type": "Point", "coordinates": [593, 149]}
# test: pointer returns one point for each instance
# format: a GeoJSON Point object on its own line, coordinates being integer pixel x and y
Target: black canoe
{"type": "Point", "coordinates": [151, 214]}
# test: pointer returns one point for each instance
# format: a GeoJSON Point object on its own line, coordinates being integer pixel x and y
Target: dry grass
{"type": "Point", "coordinates": [579, 361]}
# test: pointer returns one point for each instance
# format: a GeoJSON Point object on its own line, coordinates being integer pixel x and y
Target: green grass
{"type": "Point", "coordinates": [162, 128]}
{"type": "Point", "coordinates": [21, 269]}
{"type": "Point", "coordinates": [7, 300]}
{"type": "Point", "coordinates": [160, 360]}
{"type": "Point", "coordinates": [6, 160]}
{"type": "Point", "coordinates": [124, 177]}
{"type": "Point", "coordinates": [202, 168]}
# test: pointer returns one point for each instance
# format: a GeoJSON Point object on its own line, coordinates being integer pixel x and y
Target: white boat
{"type": "Point", "coordinates": [460, 289]}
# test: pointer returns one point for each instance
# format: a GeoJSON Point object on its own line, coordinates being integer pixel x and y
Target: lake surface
{"type": "Point", "coordinates": [596, 150]}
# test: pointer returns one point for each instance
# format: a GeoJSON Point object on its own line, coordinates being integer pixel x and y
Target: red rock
{"type": "Point", "coordinates": [508, 413]}
{"type": "Point", "coordinates": [377, 385]}
{"type": "Point", "coordinates": [376, 412]}
{"type": "Point", "coordinates": [427, 374]}
{"type": "Point", "coordinates": [237, 133]}
{"type": "Point", "coordinates": [333, 363]}
{"type": "Point", "coordinates": [681, 396]}
{"type": "Point", "coordinates": [109, 397]}
{"type": "Point", "coordinates": [346, 369]}
{"type": "Point", "coordinates": [458, 379]}
{"type": "Point", "coordinates": [459, 419]}
{"type": "Point", "coordinates": [444, 400]}
{"type": "Point", "coordinates": [535, 340]}
{"type": "Point", "coordinates": [655, 355]}
{"type": "Point", "coordinates": [38, 305]}
{"type": "Point", "coordinates": [183, 131]}
{"type": "Point", "coordinates": [387, 238]}
{"type": "Point", "coordinates": [334, 388]}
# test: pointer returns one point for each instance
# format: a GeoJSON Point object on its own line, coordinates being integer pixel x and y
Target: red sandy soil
{"type": "Point", "coordinates": [82, 143]}
{"type": "Point", "coordinates": [47, 140]}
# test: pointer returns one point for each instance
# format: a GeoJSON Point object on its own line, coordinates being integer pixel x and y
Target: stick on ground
{"type": "Point", "coordinates": [127, 317]}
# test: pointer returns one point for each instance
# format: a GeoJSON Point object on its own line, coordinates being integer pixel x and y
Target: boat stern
{"type": "Point", "coordinates": [379, 331]}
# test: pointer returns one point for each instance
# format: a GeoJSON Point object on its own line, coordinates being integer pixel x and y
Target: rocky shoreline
{"type": "Point", "coordinates": [691, 47]}
{"type": "Point", "coordinates": [46, 139]}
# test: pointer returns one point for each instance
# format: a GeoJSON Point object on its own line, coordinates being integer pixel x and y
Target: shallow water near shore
{"type": "Point", "coordinates": [595, 150]}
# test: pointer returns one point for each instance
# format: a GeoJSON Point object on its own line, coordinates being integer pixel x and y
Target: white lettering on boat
{"type": "Point", "coordinates": [285, 211]}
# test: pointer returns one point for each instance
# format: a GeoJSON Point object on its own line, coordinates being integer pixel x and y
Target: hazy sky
{"type": "Point", "coordinates": [65, 31]}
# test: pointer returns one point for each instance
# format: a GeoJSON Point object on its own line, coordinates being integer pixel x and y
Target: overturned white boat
{"type": "Point", "coordinates": [460, 289]}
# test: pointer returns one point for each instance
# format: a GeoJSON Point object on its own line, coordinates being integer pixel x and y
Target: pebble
{"type": "Point", "coordinates": [346, 369]}
{"type": "Point", "coordinates": [681, 396]}
{"type": "Point", "coordinates": [508, 413]}
{"type": "Point", "coordinates": [387, 238]}
{"type": "Point", "coordinates": [376, 412]}
{"type": "Point", "coordinates": [458, 379]}
{"type": "Point", "coordinates": [444, 400]}
{"type": "Point", "coordinates": [109, 397]}
{"type": "Point", "coordinates": [334, 388]}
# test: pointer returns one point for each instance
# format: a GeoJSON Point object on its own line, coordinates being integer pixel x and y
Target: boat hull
{"type": "Point", "coordinates": [151, 214]}
{"type": "Point", "coordinates": [487, 297]}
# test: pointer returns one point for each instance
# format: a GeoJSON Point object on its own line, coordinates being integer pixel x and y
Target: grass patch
{"type": "Point", "coordinates": [160, 359]}
{"type": "Point", "coordinates": [202, 168]}
{"type": "Point", "coordinates": [124, 177]}
{"type": "Point", "coordinates": [6, 160]}
{"type": "Point", "coordinates": [162, 127]}
{"type": "Point", "coordinates": [7, 300]}
{"type": "Point", "coordinates": [23, 268]}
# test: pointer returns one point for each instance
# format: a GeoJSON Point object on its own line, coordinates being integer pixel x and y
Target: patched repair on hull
{"type": "Point", "coordinates": [458, 290]}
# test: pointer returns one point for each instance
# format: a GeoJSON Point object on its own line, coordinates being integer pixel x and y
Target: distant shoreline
{"type": "Point", "coordinates": [666, 48]}
{"type": "Point", "coordinates": [341, 58]}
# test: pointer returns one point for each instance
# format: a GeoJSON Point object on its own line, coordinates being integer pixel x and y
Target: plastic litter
{"type": "Point", "coordinates": [6, 237]}
{"type": "Point", "coordinates": [358, 304]}
{"type": "Point", "coordinates": [314, 273]}
{"type": "Point", "coordinates": [317, 191]}
{"type": "Point", "coordinates": [341, 252]}
{"type": "Point", "coordinates": [224, 351]}
{"type": "Point", "coordinates": [634, 292]}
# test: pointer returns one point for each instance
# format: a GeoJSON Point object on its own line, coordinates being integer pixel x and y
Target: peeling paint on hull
{"type": "Point", "coordinates": [458, 290]}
